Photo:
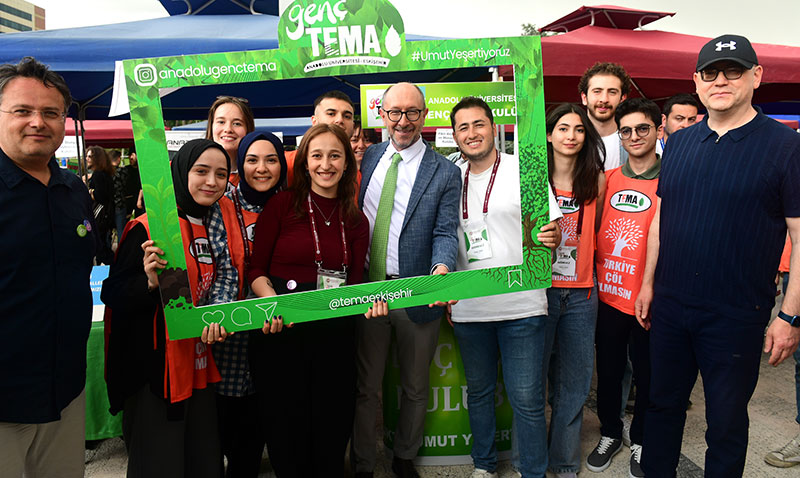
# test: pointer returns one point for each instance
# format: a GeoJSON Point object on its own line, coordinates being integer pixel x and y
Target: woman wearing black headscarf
{"type": "Point", "coordinates": [262, 172]}
{"type": "Point", "coordinates": [164, 385]}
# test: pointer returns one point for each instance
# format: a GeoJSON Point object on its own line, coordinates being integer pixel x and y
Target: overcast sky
{"type": "Point", "coordinates": [763, 21]}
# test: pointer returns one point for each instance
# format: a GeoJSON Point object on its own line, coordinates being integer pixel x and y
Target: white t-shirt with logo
{"type": "Point", "coordinates": [505, 233]}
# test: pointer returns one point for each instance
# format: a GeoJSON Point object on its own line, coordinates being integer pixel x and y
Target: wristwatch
{"type": "Point", "coordinates": [794, 320]}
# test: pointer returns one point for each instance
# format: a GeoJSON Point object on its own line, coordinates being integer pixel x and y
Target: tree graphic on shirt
{"type": "Point", "coordinates": [569, 229]}
{"type": "Point", "coordinates": [625, 233]}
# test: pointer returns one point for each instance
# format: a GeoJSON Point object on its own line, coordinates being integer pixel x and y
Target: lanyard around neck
{"type": "Point", "coordinates": [317, 248]}
{"type": "Point", "coordinates": [464, 206]}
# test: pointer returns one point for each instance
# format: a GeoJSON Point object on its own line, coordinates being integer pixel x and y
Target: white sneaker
{"type": "Point", "coordinates": [478, 473]}
{"type": "Point", "coordinates": [600, 458]}
{"type": "Point", "coordinates": [787, 456]}
{"type": "Point", "coordinates": [636, 462]}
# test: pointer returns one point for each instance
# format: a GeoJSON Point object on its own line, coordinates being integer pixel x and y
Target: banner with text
{"type": "Point", "coordinates": [440, 98]}
{"type": "Point", "coordinates": [349, 41]}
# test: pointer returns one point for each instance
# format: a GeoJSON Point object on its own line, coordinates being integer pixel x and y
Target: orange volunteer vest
{"type": "Point", "coordinates": [188, 362]}
{"type": "Point", "coordinates": [233, 178]}
{"type": "Point", "coordinates": [237, 221]}
{"type": "Point", "coordinates": [622, 239]}
{"type": "Point", "coordinates": [569, 236]}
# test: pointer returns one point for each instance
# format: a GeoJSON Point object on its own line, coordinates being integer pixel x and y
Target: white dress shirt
{"type": "Point", "coordinates": [406, 175]}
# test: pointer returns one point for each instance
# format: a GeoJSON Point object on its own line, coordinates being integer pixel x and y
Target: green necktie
{"type": "Point", "coordinates": [383, 218]}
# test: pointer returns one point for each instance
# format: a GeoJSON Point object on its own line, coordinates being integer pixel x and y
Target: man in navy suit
{"type": "Point", "coordinates": [422, 240]}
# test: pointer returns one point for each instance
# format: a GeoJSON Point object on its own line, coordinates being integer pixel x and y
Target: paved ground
{"type": "Point", "coordinates": [772, 412]}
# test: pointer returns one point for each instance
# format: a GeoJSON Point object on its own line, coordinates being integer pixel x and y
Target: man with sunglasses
{"type": "Point", "coordinates": [621, 252]}
{"type": "Point", "coordinates": [410, 195]}
{"type": "Point", "coordinates": [729, 189]}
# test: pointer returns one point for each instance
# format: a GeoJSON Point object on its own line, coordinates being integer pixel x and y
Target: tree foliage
{"type": "Point", "coordinates": [529, 29]}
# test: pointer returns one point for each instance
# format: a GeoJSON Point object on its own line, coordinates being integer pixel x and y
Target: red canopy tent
{"type": "Point", "coordinates": [610, 16]}
{"type": "Point", "coordinates": [660, 63]}
{"type": "Point", "coordinates": [105, 133]}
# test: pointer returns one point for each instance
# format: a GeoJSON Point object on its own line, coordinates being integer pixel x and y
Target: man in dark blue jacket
{"type": "Point", "coordinates": [46, 307]}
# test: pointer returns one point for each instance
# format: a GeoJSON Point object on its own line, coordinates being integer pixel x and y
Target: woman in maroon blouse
{"type": "Point", "coordinates": [309, 237]}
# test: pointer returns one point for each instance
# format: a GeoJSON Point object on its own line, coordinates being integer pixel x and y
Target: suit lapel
{"type": "Point", "coordinates": [427, 167]}
{"type": "Point", "coordinates": [368, 165]}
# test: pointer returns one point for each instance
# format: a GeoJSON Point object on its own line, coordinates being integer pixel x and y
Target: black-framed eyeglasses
{"type": "Point", "coordinates": [730, 72]}
{"type": "Point", "coordinates": [47, 115]}
{"type": "Point", "coordinates": [396, 115]}
{"type": "Point", "coordinates": [642, 130]}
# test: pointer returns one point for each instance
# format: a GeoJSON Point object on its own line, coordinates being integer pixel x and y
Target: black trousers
{"type": "Point", "coordinates": [726, 349]}
{"type": "Point", "coordinates": [241, 435]}
{"type": "Point", "coordinates": [614, 328]}
{"type": "Point", "coordinates": [305, 388]}
{"type": "Point", "coordinates": [162, 443]}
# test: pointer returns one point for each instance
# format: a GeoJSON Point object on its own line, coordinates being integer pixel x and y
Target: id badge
{"type": "Point", "coordinates": [566, 263]}
{"type": "Point", "coordinates": [476, 236]}
{"type": "Point", "coordinates": [329, 279]}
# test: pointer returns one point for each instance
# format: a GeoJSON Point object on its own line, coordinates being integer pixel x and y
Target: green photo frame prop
{"type": "Point", "coordinates": [334, 38]}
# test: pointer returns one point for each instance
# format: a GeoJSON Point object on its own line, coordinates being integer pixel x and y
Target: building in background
{"type": "Point", "coordinates": [20, 16]}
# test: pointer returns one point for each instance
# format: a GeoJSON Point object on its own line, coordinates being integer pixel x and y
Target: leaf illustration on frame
{"type": "Point", "coordinates": [392, 42]}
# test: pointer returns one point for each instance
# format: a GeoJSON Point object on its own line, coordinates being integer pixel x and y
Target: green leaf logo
{"type": "Point", "coordinates": [392, 42]}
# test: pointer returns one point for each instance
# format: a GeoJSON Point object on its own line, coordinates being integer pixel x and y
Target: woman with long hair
{"type": "Point", "coordinates": [262, 166]}
{"type": "Point", "coordinates": [309, 237]}
{"type": "Point", "coordinates": [229, 120]}
{"type": "Point", "coordinates": [574, 156]}
{"type": "Point", "coordinates": [360, 140]}
{"type": "Point", "coordinates": [101, 188]}
{"type": "Point", "coordinates": [164, 386]}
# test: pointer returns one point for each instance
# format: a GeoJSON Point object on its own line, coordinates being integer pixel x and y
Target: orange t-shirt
{"type": "Point", "coordinates": [787, 252]}
{"type": "Point", "coordinates": [290, 155]}
{"type": "Point", "coordinates": [622, 239]}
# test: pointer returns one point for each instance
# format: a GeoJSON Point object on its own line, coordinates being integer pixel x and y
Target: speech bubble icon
{"type": "Point", "coordinates": [241, 316]}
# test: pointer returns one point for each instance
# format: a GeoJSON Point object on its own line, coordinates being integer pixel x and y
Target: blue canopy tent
{"type": "Point", "coordinates": [220, 7]}
{"type": "Point", "coordinates": [85, 57]}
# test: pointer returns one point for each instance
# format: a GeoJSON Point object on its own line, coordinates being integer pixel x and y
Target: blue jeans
{"type": "Point", "coordinates": [797, 381]}
{"type": "Point", "coordinates": [519, 343]}
{"type": "Point", "coordinates": [120, 219]}
{"type": "Point", "coordinates": [796, 358]}
{"type": "Point", "coordinates": [569, 353]}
